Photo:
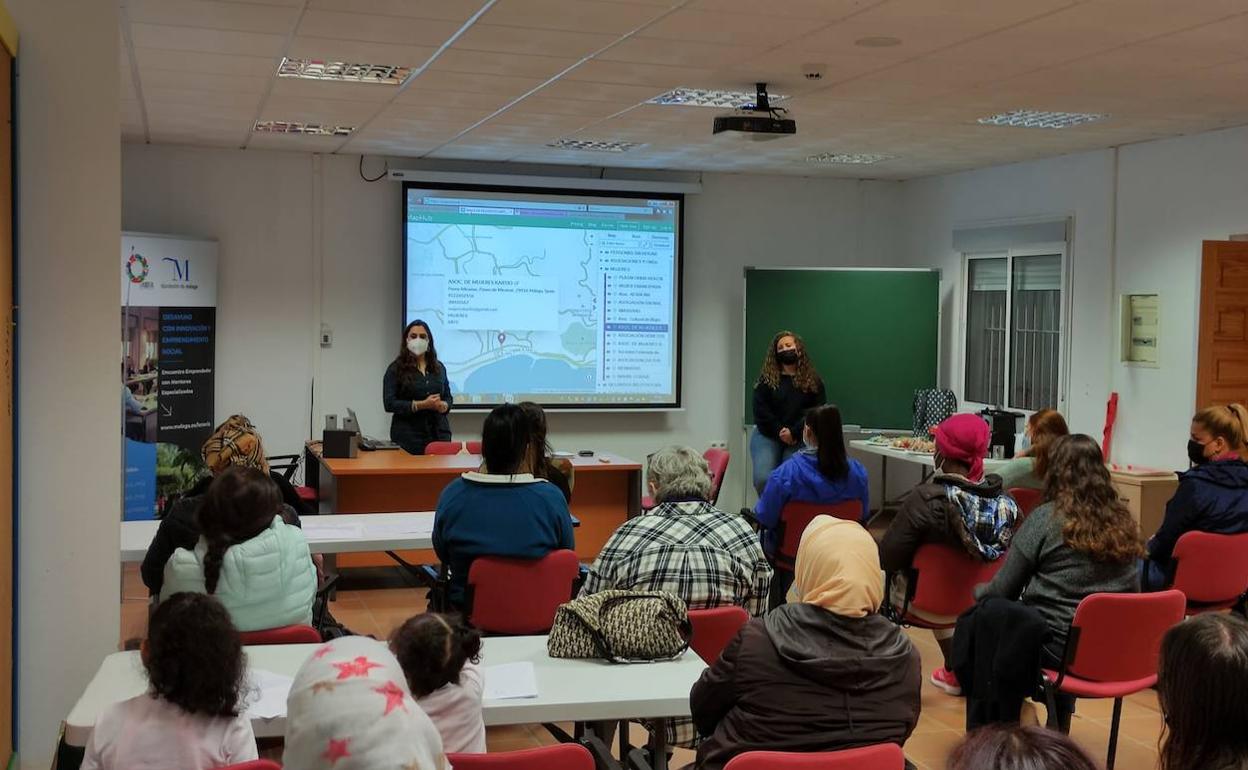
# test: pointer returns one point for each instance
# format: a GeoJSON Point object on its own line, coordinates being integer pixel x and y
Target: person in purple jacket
{"type": "Point", "coordinates": [822, 472]}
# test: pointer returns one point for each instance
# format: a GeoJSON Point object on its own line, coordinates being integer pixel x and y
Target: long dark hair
{"type": "Point", "coordinates": [1095, 521]}
{"type": "Point", "coordinates": [825, 422]}
{"type": "Point", "coordinates": [406, 362]}
{"type": "Point", "coordinates": [505, 442]}
{"type": "Point", "coordinates": [433, 648]}
{"type": "Point", "coordinates": [194, 657]}
{"type": "Point", "coordinates": [1019, 748]}
{"type": "Point", "coordinates": [239, 505]}
{"type": "Point", "coordinates": [806, 379]}
{"type": "Point", "coordinates": [1202, 685]}
{"type": "Point", "coordinates": [539, 447]}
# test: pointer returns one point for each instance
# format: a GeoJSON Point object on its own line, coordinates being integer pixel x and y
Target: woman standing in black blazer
{"type": "Point", "coordinates": [417, 392]}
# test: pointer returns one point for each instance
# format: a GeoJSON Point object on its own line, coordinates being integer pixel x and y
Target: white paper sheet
{"type": "Point", "coordinates": [510, 680]}
{"type": "Point", "coordinates": [267, 694]}
{"type": "Point", "coordinates": [320, 531]}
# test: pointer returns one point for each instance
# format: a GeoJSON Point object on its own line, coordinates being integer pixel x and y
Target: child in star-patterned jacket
{"type": "Point", "coordinates": [189, 719]}
{"type": "Point", "coordinates": [439, 654]}
{"type": "Point", "coordinates": [350, 709]}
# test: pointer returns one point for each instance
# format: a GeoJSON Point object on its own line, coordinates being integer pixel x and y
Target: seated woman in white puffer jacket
{"type": "Point", "coordinates": [248, 557]}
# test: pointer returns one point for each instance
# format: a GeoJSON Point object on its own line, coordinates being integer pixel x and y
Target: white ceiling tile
{"type": "Point", "coordinates": [440, 80]}
{"type": "Point", "coordinates": [446, 10]}
{"type": "Point", "coordinates": [571, 15]}
{"type": "Point", "coordinates": [323, 111]}
{"type": "Point", "coordinates": [395, 30]}
{"type": "Point", "coordinates": [579, 108]}
{"type": "Point", "coordinates": [434, 113]}
{"type": "Point", "coordinates": [192, 61]}
{"type": "Point", "coordinates": [631, 73]}
{"type": "Point", "coordinates": [419, 94]}
{"type": "Point", "coordinates": [816, 10]}
{"type": "Point", "coordinates": [486, 63]}
{"type": "Point", "coordinates": [333, 49]}
{"type": "Point", "coordinates": [183, 97]}
{"type": "Point", "coordinates": [623, 95]}
{"type": "Point", "coordinates": [540, 42]}
{"type": "Point", "coordinates": [217, 41]}
{"type": "Point", "coordinates": [372, 93]}
{"type": "Point", "coordinates": [202, 81]}
{"type": "Point", "coordinates": [294, 142]}
{"type": "Point", "coordinates": [273, 19]}
{"type": "Point", "coordinates": [643, 50]}
{"type": "Point", "coordinates": [754, 30]}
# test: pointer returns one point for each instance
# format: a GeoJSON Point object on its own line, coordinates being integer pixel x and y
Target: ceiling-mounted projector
{"type": "Point", "coordinates": [759, 121]}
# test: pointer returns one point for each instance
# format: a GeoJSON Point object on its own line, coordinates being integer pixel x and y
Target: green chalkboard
{"type": "Point", "coordinates": [872, 334]}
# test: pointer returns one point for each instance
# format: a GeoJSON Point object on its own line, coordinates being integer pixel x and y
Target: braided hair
{"type": "Point", "coordinates": [239, 505]}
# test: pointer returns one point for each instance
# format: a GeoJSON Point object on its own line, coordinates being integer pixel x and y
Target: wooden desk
{"type": "Point", "coordinates": [607, 491]}
{"type": "Point", "coordinates": [1145, 497]}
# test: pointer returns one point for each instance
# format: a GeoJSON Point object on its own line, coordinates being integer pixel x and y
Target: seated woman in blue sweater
{"type": "Point", "coordinates": [502, 509]}
{"type": "Point", "coordinates": [819, 473]}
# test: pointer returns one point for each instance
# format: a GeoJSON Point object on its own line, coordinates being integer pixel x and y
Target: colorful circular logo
{"type": "Point", "coordinates": [136, 268]}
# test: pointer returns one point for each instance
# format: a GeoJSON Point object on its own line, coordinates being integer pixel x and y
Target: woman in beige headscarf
{"type": "Point", "coordinates": [824, 672]}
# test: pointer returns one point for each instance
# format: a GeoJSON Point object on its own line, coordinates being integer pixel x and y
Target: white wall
{"type": "Point", "coordinates": [304, 241]}
{"type": "Point", "coordinates": [69, 418]}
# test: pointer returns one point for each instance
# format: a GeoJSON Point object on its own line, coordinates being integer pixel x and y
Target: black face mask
{"type": "Point", "coordinates": [1196, 452]}
{"type": "Point", "coordinates": [787, 357]}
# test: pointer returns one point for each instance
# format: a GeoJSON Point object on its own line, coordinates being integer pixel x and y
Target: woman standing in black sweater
{"type": "Point", "coordinates": [417, 392]}
{"type": "Point", "coordinates": [787, 386]}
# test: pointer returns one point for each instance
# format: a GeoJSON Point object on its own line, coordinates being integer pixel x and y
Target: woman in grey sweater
{"type": "Point", "coordinates": [1083, 541]}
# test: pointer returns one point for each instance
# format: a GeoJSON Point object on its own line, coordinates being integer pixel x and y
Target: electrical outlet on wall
{"type": "Point", "coordinates": [719, 444]}
{"type": "Point", "coordinates": [327, 336]}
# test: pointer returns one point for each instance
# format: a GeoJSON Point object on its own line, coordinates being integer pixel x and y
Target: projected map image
{"type": "Point", "coordinates": [552, 301]}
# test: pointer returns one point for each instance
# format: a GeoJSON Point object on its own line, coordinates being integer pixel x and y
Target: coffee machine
{"type": "Point", "coordinates": [1004, 425]}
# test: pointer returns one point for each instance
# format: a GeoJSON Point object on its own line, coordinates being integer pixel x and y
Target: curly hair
{"type": "Point", "coordinates": [194, 657]}
{"type": "Point", "coordinates": [1094, 519]}
{"type": "Point", "coordinates": [806, 379]}
{"type": "Point", "coordinates": [239, 505]}
{"type": "Point", "coordinates": [1206, 726]}
{"type": "Point", "coordinates": [433, 648]}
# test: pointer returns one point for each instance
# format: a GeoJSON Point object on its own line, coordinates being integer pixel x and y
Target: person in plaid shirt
{"type": "Point", "coordinates": [684, 545]}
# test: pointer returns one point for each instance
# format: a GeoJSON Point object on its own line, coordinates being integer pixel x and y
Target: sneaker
{"type": "Point", "coordinates": [945, 681]}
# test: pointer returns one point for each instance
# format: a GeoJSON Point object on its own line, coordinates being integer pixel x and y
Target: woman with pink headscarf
{"type": "Point", "coordinates": [956, 506]}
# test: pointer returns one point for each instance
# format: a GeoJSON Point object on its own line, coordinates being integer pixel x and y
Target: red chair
{"type": "Point", "coordinates": [1112, 650]}
{"type": "Point", "coordinates": [494, 605]}
{"type": "Point", "coordinates": [563, 756]}
{"type": "Point", "coordinates": [474, 447]}
{"type": "Point", "coordinates": [948, 590]}
{"type": "Point", "coordinates": [793, 520]}
{"type": "Point", "coordinates": [255, 764]}
{"type": "Point", "coordinates": [297, 634]}
{"type": "Point", "coordinates": [443, 447]}
{"type": "Point", "coordinates": [713, 629]}
{"type": "Point", "coordinates": [717, 461]}
{"type": "Point", "coordinates": [1211, 570]}
{"type": "Point", "coordinates": [881, 756]}
{"type": "Point", "coordinates": [1028, 500]}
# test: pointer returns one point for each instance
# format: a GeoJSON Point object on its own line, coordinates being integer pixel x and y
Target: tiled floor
{"type": "Point", "coordinates": [940, 727]}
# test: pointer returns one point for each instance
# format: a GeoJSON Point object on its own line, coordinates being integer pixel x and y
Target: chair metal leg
{"type": "Point", "coordinates": [1113, 734]}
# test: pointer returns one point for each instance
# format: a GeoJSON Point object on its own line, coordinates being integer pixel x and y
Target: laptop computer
{"type": "Point", "coordinates": [367, 443]}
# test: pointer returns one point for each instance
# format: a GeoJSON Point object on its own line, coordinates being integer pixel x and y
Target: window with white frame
{"type": "Point", "coordinates": [1013, 323]}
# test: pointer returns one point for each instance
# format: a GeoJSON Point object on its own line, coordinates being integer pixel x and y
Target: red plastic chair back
{"type": "Point", "coordinates": [882, 756]}
{"type": "Point", "coordinates": [1211, 570]}
{"type": "Point", "coordinates": [297, 634]}
{"type": "Point", "coordinates": [1119, 635]}
{"type": "Point", "coordinates": [474, 447]}
{"type": "Point", "coordinates": [1028, 500]}
{"type": "Point", "coordinates": [793, 520]}
{"type": "Point", "coordinates": [307, 494]}
{"type": "Point", "coordinates": [443, 447]}
{"type": "Point", "coordinates": [255, 764]}
{"type": "Point", "coordinates": [519, 596]}
{"type": "Point", "coordinates": [717, 461]}
{"type": "Point", "coordinates": [944, 580]}
{"type": "Point", "coordinates": [714, 628]}
{"type": "Point", "coordinates": [564, 756]}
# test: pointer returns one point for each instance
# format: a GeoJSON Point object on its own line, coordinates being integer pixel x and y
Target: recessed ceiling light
{"type": "Point", "coordinates": [295, 127]}
{"type": "Point", "coordinates": [877, 42]}
{"type": "Point", "coordinates": [858, 158]}
{"type": "Point", "coordinates": [702, 97]}
{"type": "Point", "coordinates": [593, 145]}
{"type": "Point", "coordinates": [350, 72]}
{"type": "Point", "coordinates": [1042, 119]}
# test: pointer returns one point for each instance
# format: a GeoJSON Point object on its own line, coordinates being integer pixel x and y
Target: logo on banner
{"type": "Point", "coordinates": [137, 267]}
{"type": "Point", "coordinates": [182, 273]}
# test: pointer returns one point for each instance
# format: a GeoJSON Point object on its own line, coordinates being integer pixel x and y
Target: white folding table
{"type": "Point", "coordinates": [918, 458]}
{"type": "Point", "coordinates": [568, 690]}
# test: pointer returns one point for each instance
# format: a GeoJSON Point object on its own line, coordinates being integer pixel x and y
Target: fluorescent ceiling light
{"type": "Point", "coordinates": [1042, 119]}
{"type": "Point", "coordinates": [849, 157]}
{"type": "Point", "coordinates": [593, 145]}
{"type": "Point", "coordinates": [295, 127]}
{"type": "Point", "coordinates": [348, 72]}
{"type": "Point", "coordinates": [701, 97]}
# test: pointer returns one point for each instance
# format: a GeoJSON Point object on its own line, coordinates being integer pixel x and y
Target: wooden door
{"type": "Point", "coordinates": [1222, 365]}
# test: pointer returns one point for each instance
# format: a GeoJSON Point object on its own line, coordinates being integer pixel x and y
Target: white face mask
{"type": "Point", "coordinates": [417, 346]}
